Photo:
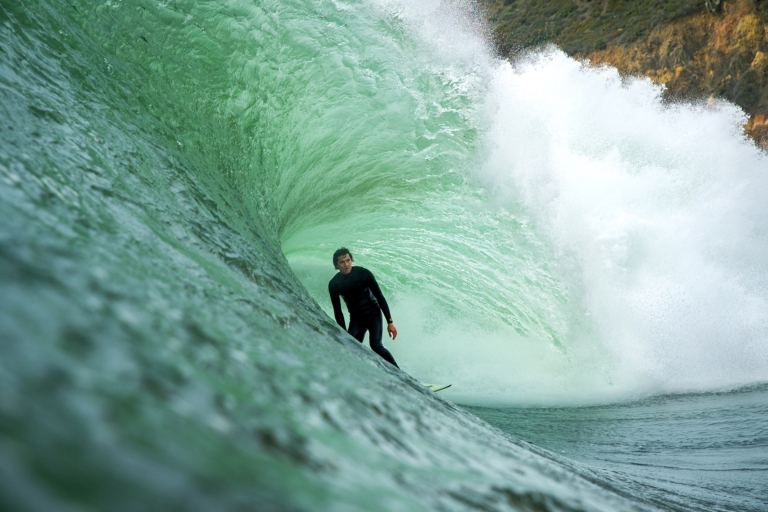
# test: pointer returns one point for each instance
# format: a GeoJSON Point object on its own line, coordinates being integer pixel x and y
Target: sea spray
{"type": "Point", "coordinates": [654, 212]}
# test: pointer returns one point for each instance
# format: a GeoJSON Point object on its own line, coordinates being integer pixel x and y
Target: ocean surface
{"type": "Point", "coordinates": [702, 451]}
{"type": "Point", "coordinates": [585, 262]}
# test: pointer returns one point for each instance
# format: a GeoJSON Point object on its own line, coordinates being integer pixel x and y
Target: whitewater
{"type": "Point", "coordinates": [584, 261]}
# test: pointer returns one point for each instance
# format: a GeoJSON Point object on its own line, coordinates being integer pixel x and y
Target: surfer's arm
{"type": "Point", "coordinates": [337, 307]}
{"type": "Point", "coordinates": [374, 287]}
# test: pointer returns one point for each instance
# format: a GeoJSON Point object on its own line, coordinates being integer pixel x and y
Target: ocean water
{"type": "Point", "coordinates": [698, 451]}
{"type": "Point", "coordinates": [585, 263]}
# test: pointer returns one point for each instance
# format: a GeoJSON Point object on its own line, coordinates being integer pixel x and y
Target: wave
{"type": "Point", "coordinates": [554, 228]}
{"type": "Point", "coordinates": [175, 176]}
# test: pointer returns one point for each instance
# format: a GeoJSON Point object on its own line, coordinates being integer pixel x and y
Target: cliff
{"type": "Point", "coordinates": [698, 49]}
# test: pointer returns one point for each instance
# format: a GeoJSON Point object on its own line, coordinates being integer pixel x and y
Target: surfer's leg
{"type": "Point", "coordinates": [374, 338]}
{"type": "Point", "coordinates": [357, 329]}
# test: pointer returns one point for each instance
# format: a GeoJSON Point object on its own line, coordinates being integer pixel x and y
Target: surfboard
{"type": "Point", "coordinates": [435, 387]}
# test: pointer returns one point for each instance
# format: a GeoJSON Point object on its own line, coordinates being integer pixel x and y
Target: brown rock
{"type": "Point", "coordinates": [696, 54]}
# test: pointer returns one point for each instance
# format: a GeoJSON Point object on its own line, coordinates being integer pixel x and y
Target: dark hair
{"type": "Point", "coordinates": [339, 253]}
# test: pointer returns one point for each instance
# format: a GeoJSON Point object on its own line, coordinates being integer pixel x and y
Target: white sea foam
{"type": "Point", "coordinates": [657, 214]}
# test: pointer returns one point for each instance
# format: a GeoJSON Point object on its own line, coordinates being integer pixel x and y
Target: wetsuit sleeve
{"type": "Point", "coordinates": [337, 307]}
{"type": "Point", "coordinates": [374, 287]}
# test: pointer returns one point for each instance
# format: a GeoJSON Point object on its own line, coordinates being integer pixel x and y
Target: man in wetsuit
{"type": "Point", "coordinates": [364, 300]}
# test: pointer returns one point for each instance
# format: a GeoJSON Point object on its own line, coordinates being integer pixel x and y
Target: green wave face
{"type": "Point", "coordinates": [386, 130]}
{"type": "Point", "coordinates": [158, 351]}
{"type": "Point", "coordinates": [318, 125]}
{"type": "Point", "coordinates": [530, 223]}
{"type": "Point", "coordinates": [174, 177]}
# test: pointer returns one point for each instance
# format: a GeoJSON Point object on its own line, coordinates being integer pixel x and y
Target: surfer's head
{"type": "Point", "coordinates": [342, 260]}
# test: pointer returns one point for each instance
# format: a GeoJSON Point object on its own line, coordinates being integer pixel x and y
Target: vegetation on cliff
{"type": "Point", "coordinates": [696, 48]}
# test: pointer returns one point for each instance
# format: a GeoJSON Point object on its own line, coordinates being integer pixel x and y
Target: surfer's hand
{"type": "Point", "coordinates": [392, 331]}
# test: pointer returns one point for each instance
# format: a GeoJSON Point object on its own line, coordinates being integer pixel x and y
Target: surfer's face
{"type": "Point", "coordinates": [344, 264]}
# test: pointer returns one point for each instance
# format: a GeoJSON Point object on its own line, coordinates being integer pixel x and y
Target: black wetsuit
{"type": "Point", "coordinates": [365, 303]}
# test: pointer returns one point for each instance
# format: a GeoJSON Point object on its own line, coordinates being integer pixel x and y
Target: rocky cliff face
{"type": "Point", "coordinates": [698, 49]}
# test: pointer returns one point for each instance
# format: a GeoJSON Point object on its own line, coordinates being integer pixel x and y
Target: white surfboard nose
{"type": "Point", "coordinates": [436, 387]}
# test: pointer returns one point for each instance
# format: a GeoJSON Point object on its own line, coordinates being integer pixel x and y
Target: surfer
{"type": "Point", "coordinates": [365, 303]}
